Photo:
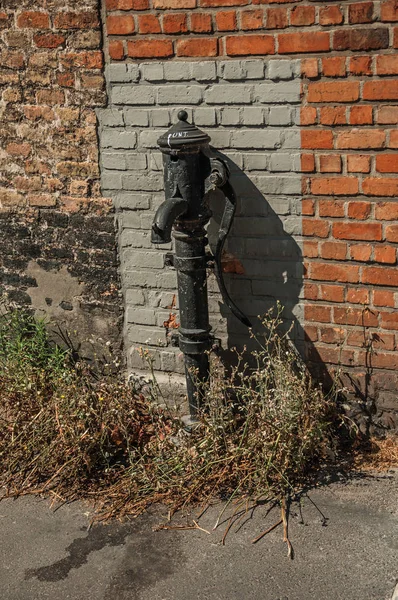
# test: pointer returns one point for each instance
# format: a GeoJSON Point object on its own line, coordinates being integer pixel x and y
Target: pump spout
{"type": "Point", "coordinates": [164, 219]}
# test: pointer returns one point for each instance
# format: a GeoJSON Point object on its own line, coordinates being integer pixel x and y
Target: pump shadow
{"type": "Point", "coordinates": [263, 264]}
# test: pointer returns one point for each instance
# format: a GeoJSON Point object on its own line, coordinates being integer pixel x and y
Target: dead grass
{"type": "Point", "coordinates": [377, 455]}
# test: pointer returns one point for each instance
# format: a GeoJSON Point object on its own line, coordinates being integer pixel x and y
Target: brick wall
{"type": "Point", "coordinates": [345, 243]}
{"type": "Point", "coordinates": [58, 243]}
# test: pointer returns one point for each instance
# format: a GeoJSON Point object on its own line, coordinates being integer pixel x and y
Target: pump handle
{"type": "Point", "coordinates": [225, 226]}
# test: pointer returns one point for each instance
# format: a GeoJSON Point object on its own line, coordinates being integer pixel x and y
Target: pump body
{"type": "Point", "coordinates": [190, 171]}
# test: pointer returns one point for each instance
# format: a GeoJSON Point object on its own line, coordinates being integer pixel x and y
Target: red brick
{"type": "Point", "coordinates": [389, 320]}
{"type": "Point", "coordinates": [380, 186]}
{"type": "Point", "coordinates": [311, 333]}
{"type": "Point", "coordinates": [276, 18]}
{"type": "Point", "coordinates": [311, 291]}
{"type": "Point", "coordinates": [201, 22]}
{"type": "Point", "coordinates": [310, 249]}
{"type": "Point", "coordinates": [307, 163]}
{"type": "Point", "coordinates": [334, 250]}
{"type": "Point", "coordinates": [383, 360]}
{"type": "Point", "coordinates": [332, 293]}
{"type": "Point", "coordinates": [116, 50]}
{"type": "Point", "coordinates": [148, 24]}
{"type": "Point", "coordinates": [150, 48]}
{"type": "Point", "coordinates": [333, 115]}
{"type": "Point", "coordinates": [302, 15]}
{"type": "Point", "coordinates": [42, 200]}
{"type": "Point", "coordinates": [361, 252]}
{"type": "Point", "coordinates": [392, 233]}
{"type": "Point", "coordinates": [383, 298]}
{"type": "Point", "coordinates": [331, 208]}
{"type": "Point", "coordinates": [361, 39]}
{"type": "Point", "coordinates": [89, 60]}
{"type": "Point", "coordinates": [360, 65]}
{"type": "Point", "coordinates": [362, 12]}
{"type": "Point", "coordinates": [315, 138]}
{"type": "Point", "coordinates": [387, 115]}
{"type": "Point", "coordinates": [357, 296]}
{"type": "Point", "coordinates": [358, 163]}
{"type": "Point", "coordinates": [251, 19]}
{"type": "Point", "coordinates": [293, 43]}
{"type": "Point", "coordinates": [332, 272]}
{"type": "Point", "coordinates": [175, 23]}
{"type": "Point", "coordinates": [387, 65]}
{"type": "Point", "coordinates": [334, 66]}
{"type": "Point", "coordinates": [329, 355]}
{"type": "Point", "coordinates": [361, 115]}
{"type": "Point", "coordinates": [330, 163]}
{"type": "Point", "coordinates": [127, 4]}
{"type": "Point", "coordinates": [197, 47]}
{"type": "Point", "coordinates": [76, 20]}
{"type": "Point", "coordinates": [309, 68]}
{"type": "Point", "coordinates": [386, 211]}
{"type": "Point", "coordinates": [66, 79]}
{"type": "Point", "coordinates": [380, 90]}
{"type": "Point", "coordinates": [357, 231]}
{"type": "Point", "coordinates": [50, 97]}
{"type": "Point", "coordinates": [315, 228]}
{"type": "Point", "coordinates": [361, 138]}
{"type": "Point", "coordinates": [387, 163]}
{"type": "Point", "coordinates": [385, 254]}
{"type": "Point", "coordinates": [355, 316]}
{"type": "Point", "coordinates": [359, 210]}
{"type": "Point", "coordinates": [380, 276]}
{"type": "Point", "coordinates": [223, 2]}
{"type": "Point", "coordinates": [332, 335]}
{"type": "Point", "coordinates": [120, 25]}
{"type": "Point", "coordinates": [334, 186]}
{"type": "Point", "coordinates": [393, 139]}
{"type": "Point", "coordinates": [242, 45]}
{"type": "Point", "coordinates": [330, 15]}
{"type": "Point", "coordinates": [320, 314]}
{"type": "Point", "coordinates": [33, 20]}
{"type": "Point", "coordinates": [49, 40]}
{"type": "Point", "coordinates": [226, 20]}
{"type": "Point", "coordinates": [308, 115]}
{"type": "Point", "coordinates": [333, 91]}
{"type": "Point", "coordinates": [163, 4]}
{"type": "Point", "coordinates": [18, 149]}
{"type": "Point", "coordinates": [389, 10]}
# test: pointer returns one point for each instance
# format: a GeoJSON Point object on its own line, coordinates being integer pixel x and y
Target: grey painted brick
{"type": "Point", "coordinates": [152, 71]}
{"type": "Point", "coordinates": [253, 115]}
{"type": "Point", "coordinates": [138, 278]}
{"type": "Point", "coordinates": [293, 225]}
{"type": "Point", "coordinates": [153, 336]}
{"type": "Point", "coordinates": [291, 138]}
{"type": "Point", "coordinates": [132, 201]}
{"type": "Point", "coordinates": [160, 117]}
{"type": "Point", "coordinates": [205, 117]}
{"type": "Point", "coordinates": [231, 70]}
{"type": "Point", "coordinates": [220, 138]}
{"type": "Point", "coordinates": [177, 71]}
{"type": "Point", "coordinates": [135, 239]}
{"type": "Point", "coordinates": [280, 115]}
{"type": "Point", "coordinates": [280, 184]}
{"type": "Point", "coordinates": [163, 299]}
{"type": "Point", "coordinates": [143, 260]}
{"type": "Point", "coordinates": [134, 296]}
{"type": "Point", "coordinates": [136, 116]}
{"type": "Point", "coordinates": [141, 316]}
{"type": "Point", "coordinates": [115, 72]}
{"type": "Point", "coordinates": [156, 161]}
{"type": "Point", "coordinates": [230, 116]}
{"type": "Point", "coordinates": [118, 138]}
{"type": "Point", "coordinates": [280, 205]}
{"type": "Point", "coordinates": [282, 69]}
{"type": "Point", "coordinates": [110, 117]}
{"type": "Point", "coordinates": [113, 160]}
{"type": "Point", "coordinates": [142, 181]}
{"type": "Point", "coordinates": [256, 161]}
{"type": "Point", "coordinates": [278, 93]}
{"type": "Point", "coordinates": [129, 220]}
{"type": "Point", "coordinates": [229, 94]}
{"type": "Point", "coordinates": [133, 94]}
{"type": "Point", "coordinates": [174, 113]}
{"type": "Point", "coordinates": [111, 180]}
{"type": "Point", "coordinates": [136, 161]}
{"type": "Point", "coordinates": [204, 71]}
{"type": "Point", "coordinates": [168, 361]}
{"type": "Point", "coordinates": [254, 69]}
{"type": "Point", "coordinates": [280, 161]}
{"type": "Point", "coordinates": [181, 94]}
{"type": "Point", "coordinates": [149, 139]}
{"type": "Point", "coordinates": [256, 138]}
{"type": "Point", "coordinates": [235, 160]}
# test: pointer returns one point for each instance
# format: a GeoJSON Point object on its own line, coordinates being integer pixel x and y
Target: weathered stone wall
{"type": "Point", "coordinates": [57, 232]}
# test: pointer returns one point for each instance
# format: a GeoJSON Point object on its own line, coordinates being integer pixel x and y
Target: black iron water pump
{"type": "Point", "coordinates": [191, 170]}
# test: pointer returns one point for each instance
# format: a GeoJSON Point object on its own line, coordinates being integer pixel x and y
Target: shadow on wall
{"type": "Point", "coordinates": [265, 265]}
